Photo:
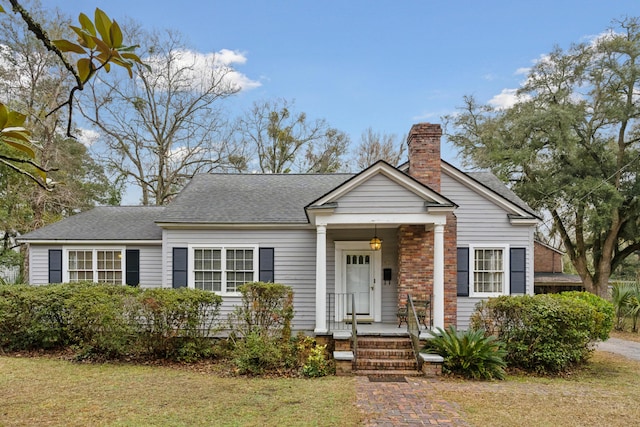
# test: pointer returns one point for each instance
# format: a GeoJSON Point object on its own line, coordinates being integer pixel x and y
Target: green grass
{"type": "Point", "coordinates": [605, 392]}
{"type": "Point", "coordinates": [50, 392]}
{"type": "Point", "coordinates": [44, 391]}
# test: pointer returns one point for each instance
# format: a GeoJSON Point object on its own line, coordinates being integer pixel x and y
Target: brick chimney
{"type": "Point", "coordinates": [424, 154]}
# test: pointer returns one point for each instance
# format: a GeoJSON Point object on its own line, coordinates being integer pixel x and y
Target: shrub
{"type": "Point", "coordinates": [178, 323]}
{"type": "Point", "coordinates": [317, 364]}
{"type": "Point", "coordinates": [33, 317]}
{"type": "Point", "coordinates": [542, 333]}
{"type": "Point", "coordinates": [470, 353]}
{"type": "Point", "coordinates": [266, 308]}
{"type": "Point", "coordinates": [99, 322]}
{"type": "Point", "coordinates": [262, 326]}
{"type": "Point", "coordinates": [603, 316]}
{"type": "Point", "coordinates": [256, 354]}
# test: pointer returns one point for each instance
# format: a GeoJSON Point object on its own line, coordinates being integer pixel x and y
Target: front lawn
{"type": "Point", "coordinates": [50, 392]}
{"type": "Point", "coordinates": [603, 393]}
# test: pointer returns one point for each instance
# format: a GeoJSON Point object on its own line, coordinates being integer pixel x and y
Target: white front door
{"type": "Point", "coordinates": [358, 268]}
{"type": "Point", "coordinates": [357, 272]}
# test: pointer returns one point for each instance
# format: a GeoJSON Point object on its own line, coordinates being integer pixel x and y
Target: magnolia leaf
{"type": "Point", "coordinates": [22, 147]}
{"type": "Point", "coordinates": [67, 46]}
{"type": "Point", "coordinates": [84, 37]}
{"type": "Point", "coordinates": [102, 46]}
{"type": "Point", "coordinates": [4, 115]}
{"type": "Point", "coordinates": [15, 119]}
{"type": "Point", "coordinates": [86, 23]}
{"type": "Point", "coordinates": [116, 34]}
{"type": "Point", "coordinates": [131, 56]}
{"type": "Point", "coordinates": [2, 9]}
{"type": "Point", "coordinates": [103, 25]}
{"type": "Point", "coordinates": [107, 67]}
{"type": "Point", "coordinates": [84, 68]}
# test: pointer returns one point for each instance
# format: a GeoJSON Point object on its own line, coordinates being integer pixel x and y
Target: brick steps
{"type": "Point", "coordinates": [385, 356]}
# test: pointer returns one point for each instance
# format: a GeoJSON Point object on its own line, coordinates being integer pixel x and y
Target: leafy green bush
{"type": "Point", "coordinates": [32, 317]}
{"type": "Point", "coordinates": [266, 308]}
{"type": "Point", "coordinates": [178, 323]}
{"type": "Point", "coordinates": [603, 316]}
{"type": "Point", "coordinates": [317, 364]}
{"type": "Point", "coordinates": [470, 353]}
{"type": "Point", "coordinates": [256, 354]}
{"type": "Point", "coordinates": [109, 321]}
{"type": "Point", "coordinates": [101, 320]}
{"type": "Point", "coordinates": [542, 333]}
{"type": "Point", "coordinates": [261, 327]}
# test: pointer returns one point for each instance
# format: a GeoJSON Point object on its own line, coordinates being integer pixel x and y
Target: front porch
{"type": "Point", "coordinates": [381, 349]}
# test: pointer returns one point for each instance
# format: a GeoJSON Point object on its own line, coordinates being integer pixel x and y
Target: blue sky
{"type": "Point", "coordinates": [379, 64]}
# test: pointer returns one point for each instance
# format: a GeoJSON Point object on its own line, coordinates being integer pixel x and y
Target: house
{"type": "Point", "coordinates": [448, 236]}
{"type": "Point", "coordinates": [548, 269]}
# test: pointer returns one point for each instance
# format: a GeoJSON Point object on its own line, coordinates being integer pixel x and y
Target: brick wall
{"type": "Point", "coordinates": [546, 260]}
{"type": "Point", "coordinates": [415, 242]}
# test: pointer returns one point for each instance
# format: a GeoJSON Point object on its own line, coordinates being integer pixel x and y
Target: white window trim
{"type": "Point", "coordinates": [506, 262]}
{"type": "Point", "coordinates": [94, 250]}
{"type": "Point", "coordinates": [191, 276]}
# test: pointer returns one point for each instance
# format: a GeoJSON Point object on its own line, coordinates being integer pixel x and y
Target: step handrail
{"type": "Point", "coordinates": [413, 328]}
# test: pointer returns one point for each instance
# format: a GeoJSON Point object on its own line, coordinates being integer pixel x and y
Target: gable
{"type": "Point", "coordinates": [379, 194]}
{"type": "Point", "coordinates": [382, 178]}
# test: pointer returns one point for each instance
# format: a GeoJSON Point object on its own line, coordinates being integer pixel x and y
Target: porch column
{"type": "Point", "coordinates": [321, 279]}
{"type": "Point", "coordinates": [438, 276]}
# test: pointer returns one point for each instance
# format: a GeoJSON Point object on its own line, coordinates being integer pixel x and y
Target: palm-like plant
{"type": "Point", "coordinates": [470, 354]}
{"type": "Point", "coordinates": [622, 295]}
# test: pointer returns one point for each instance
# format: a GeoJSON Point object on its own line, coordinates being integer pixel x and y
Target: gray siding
{"type": "Point", "coordinates": [294, 262]}
{"type": "Point", "coordinates": [150, 266]}
{"type": "Point", "coordinates": [39, 263]}
{"type": "Point", "coordinates": [379, 194]}
{"type": "Point", "coordinates": [150, 263]}
{"type": "Point", "coordinates": [481, 221]}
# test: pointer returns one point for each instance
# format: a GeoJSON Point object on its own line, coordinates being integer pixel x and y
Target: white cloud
{"type": "Point", "coordinates": [507, 98]}
{"type": "Point", "coordinates": [87, 137]}
{"type": "Point", "coordinates": [198, 70]}
{"type": "Point", "coordinates": [522, 71]}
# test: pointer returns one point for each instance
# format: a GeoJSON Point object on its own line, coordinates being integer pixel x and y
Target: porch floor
{"type": "Point", "coordinates": [377, 329]}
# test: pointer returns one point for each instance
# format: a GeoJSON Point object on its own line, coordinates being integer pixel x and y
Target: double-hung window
{"type": "Point", "coordinates": [488, 276]}
{"type": "Point", "coordinates": [94, 265]}
{"type": "Point", "coordinates": [223, 269]}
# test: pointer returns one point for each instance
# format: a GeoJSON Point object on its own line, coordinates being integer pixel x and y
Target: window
{"type": "Point", "coordinates": [208, 269]}
{"type": "Point", "coordinates": [223, 269]}
{"type": "Point", "coordinates": [80, 266]}
{"type": "Point", "coordinates": [489, 276]}
{"type": "Point", "coordinates": [103, 265]}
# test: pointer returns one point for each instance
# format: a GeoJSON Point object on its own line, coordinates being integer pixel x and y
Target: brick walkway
{"type": "Point", "coordinates": [411, 403]}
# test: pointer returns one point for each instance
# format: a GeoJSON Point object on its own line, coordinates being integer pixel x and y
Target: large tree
{"type": "Point", "coordinates": [281, 140]}
{"type": "Point", "coordinates": [163, 126]}
{"type": "Point", "coordinates": [570, 147]}
{"type": "Point", "coordinates": [376, 146]}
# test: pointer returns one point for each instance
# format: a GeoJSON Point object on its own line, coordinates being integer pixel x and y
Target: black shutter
{"type": "Point", "coordinates": [132, 276]}
{"type": "Point", "coordinates": [179, 267]}
{"type": "Point", "coordinates": [266, 265]}
{"type": "Point", "coordinates": [463, 272]}
{"type": "Point", "coordinates": [55, 265]}
{"type": "Point", "coordinates": [517, 270]}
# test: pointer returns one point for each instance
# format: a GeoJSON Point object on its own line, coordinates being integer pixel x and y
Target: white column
{"type": "Point", "coordinates": [438, 276]}
{"type": "Point", "coordinates": [321, 279]}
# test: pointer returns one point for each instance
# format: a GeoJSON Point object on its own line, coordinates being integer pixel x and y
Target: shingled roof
{"type": "Point", "coordinates": [492, 182]}
{"type": "Point", "coordinates": [104, 223]}
{"type": "Point", "coordinates": [249, 198]}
